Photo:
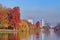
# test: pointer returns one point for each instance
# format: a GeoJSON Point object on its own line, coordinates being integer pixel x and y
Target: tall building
{"type": "Point", "coordinates": [43, 24]}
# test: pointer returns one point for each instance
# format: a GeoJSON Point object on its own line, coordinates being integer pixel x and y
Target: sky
{"type": "Point", "coordinates": [49, 10]}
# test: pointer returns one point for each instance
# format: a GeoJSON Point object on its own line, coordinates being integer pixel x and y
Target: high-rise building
{"type": "Point", "coordinates": [43, 24]}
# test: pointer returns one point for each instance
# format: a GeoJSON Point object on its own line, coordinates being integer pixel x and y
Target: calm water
{"type": "Point", "coordinates": [30, 36]}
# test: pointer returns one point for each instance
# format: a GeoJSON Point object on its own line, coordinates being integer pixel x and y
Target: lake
{"type": "Point", "coordinates": [50, 35]}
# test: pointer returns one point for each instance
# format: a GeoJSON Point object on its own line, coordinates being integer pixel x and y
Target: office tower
{"type": "Point", "coordinates": [43, 22]}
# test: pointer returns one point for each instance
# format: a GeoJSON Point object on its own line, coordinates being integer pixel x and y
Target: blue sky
{"type": "Point", "coordinates": [37, 9]}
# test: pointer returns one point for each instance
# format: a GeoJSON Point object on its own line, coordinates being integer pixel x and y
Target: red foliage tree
{"type": "Point", "coordinates": [15, 16]}
{"type": "Point", "coordinates": [38, 24]}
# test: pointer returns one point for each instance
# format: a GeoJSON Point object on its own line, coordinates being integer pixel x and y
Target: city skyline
{"type": "Point", "coordinates": [37, 9]}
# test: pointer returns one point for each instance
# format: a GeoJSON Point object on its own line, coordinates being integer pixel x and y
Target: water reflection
{"type": "Point", "coordinates": [37, 35]}
{"type": "Point", "coordinates": [23, 34]}
{"type": "Point", "coordinates": [42, 36]}
{"type": "Point", "coordinates": [19, 36]}
{"type": "Point", "coordinates": [51, 35]}
{"type": "Point", "coordinates": [4, 36]}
